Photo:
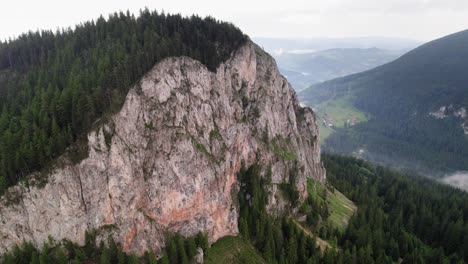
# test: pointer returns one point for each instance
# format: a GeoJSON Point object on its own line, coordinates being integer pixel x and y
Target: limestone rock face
{"type": "Point", "coordinates": [168, 161]}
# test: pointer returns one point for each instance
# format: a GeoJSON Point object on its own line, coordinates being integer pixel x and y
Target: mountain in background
{"type": "Point", "coordinates": [309, 61]}
{"type": "Point", "coordinates": [275, 45]}
{"type": "Point", "coordinates": [305, 69]}
{"type": "Point", "coordinates": [410, 113]}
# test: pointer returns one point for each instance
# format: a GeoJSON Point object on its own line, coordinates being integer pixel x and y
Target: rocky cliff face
{"type": "Point", "coordinates": [168, 160]}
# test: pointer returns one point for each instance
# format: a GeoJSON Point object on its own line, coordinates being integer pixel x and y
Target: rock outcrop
{"type": "Point", "coordinates": [168, 160]}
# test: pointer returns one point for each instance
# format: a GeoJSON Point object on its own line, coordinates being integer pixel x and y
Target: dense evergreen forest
{"type": "Point", "coordinates": [400, 216]}
{"type": "Point", "coordinates": [179, 250]}
{"type": "Point", "coordinates": [54, 85]}
{"type": "Point", "coordinates": [400, 219]}
{"type": "Point", "coordinates": [433, 146]}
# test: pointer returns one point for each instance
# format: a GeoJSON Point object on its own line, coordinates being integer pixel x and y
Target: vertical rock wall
{"type": "Point", "coordinates": [168, 160]}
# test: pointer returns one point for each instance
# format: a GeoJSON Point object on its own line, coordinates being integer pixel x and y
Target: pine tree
{"type": "Point", "coordinates": [202, 241]}
{"type": "Point", "coordinates": [3, 185]}
{"type": "Point", "coordinates": [152, 257]}
{"type": "Point", "coordinates": [191, 247]}
{"type": "Point", "coordinates": [44, 258]}
{"type": "Point", "coordinates": [132, 259]}
{"type": "Point", "coordinates": [164, 259]}
{"type": "Point", "coordinates": [61, 257]}
{"type": "Point", "coordinates": [172, 252]}
{"type": "Point", "coordinates": [121, 258]}
{"type": "Point", "coordinates": [182, 254]}
{"type": "Point", "coordinates": [34, 258]}
{"type": "Point", "coordinates": [292, 250]}
{"type": "Point", "coordinates": [105, 256]}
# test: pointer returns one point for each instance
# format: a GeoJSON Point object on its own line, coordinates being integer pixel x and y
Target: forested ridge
{"type": "Point", "coordinates": [54, 85]}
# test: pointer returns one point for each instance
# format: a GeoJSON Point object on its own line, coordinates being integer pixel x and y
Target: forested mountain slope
{"type": "Point", "coordinates": [54, 85]}
{"type": "Point", "coordinates": [400, 216]}
{"type": "Point", "coordinates": [416, 107]}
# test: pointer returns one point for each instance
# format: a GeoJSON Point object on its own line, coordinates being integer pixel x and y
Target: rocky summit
{"type": "Point", "coordinates": [168, 160]}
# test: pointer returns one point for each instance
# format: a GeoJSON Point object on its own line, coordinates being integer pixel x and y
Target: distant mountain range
{"type": "Point", "coordinates": [305, 69]}
{"type": "Point", "coordinates": [276, 45]}
{"type": "Point", "coordinates": [309, 61]}
{"type": "Point", "coordinates": [411, 113]}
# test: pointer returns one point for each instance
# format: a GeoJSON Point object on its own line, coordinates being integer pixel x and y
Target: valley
{"type": "Point", "coordinates": [306, 68]}
{"type": "Point", "coordinates": [414, 109]}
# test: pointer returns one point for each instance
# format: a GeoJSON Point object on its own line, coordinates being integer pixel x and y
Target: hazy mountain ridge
{"type": "Point", "coordinates": [309, 61]}
{"type": "Point", "coordinates": [403, 98]}
{"type": "Point", "coordinates": [274, 45]}
{"type": "Point", "coordinates": [305, 69]}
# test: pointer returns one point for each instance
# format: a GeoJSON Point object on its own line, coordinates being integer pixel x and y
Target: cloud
{"type": "Point", "coordinates": [420, 19]}
{"type": "Point", "coordinates": [392, 6]}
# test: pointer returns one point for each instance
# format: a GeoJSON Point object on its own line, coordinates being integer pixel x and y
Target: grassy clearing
{"type": "Point", "coordinates": [325, 131]}
{"type": "Point", "coordinates": [232, 250]}
{"type": "Point", "coordinates": [338, 112]}
{"type": "Point", "coordinates": [340, 207]}
{"type": "Point", "coordinates": [322, 244]}
{"type": "Point", "coordinates": [315, 190]}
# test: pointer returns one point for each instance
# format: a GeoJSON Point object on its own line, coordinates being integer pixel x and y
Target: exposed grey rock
{"type": "Point", "coordinates": [168, 160]}
{"type": "Point", "coordinates": [198, 259]}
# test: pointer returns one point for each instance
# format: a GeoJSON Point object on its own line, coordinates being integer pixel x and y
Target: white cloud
{"type": "Point", "coordinates": [419, 19]}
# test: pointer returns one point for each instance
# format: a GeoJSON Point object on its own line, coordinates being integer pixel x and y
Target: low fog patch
{"type": "Point", "coordinates": [458, 179]}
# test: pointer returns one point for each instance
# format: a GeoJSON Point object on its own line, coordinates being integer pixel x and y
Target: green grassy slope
{"type": "Point", "coordinates": [340, 210]}
{"type": "Point", "coordinates": [340, 207]}
{"type": "Point", "coordinates": [338, 113]}
{"type": "Point", "coordinates": [232, 250]}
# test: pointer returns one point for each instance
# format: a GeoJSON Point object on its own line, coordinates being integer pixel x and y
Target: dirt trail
{"type": "Point", "coordinates": [320, 242]}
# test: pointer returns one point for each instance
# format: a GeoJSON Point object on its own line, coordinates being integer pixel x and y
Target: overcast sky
{"type": "Point", "coordinates": [415, 19]}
